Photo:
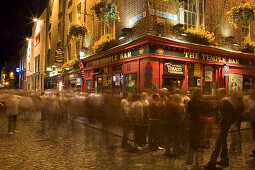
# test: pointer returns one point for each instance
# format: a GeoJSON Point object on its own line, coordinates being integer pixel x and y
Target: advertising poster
{"type": "Point", "coordinates": [208, 74]}
{"type": "Point", "coordinates": [235, 83]}
{"type": "Point", "coordinates": [173, 68]}
{"type": "Point", "coordinates": [197, 70]}
{"type": "Point", "coordinates": [131, 83]}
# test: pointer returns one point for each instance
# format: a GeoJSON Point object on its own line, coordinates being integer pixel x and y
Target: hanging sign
{"type": "Point", "coordinates": [197, 70]}
{"type": "Point", "coordinates": [173, 68]}
{"type": "Point", "coordinates": [208, 74]}
{"type": "Point", "coordinates": [78, 81]}
{"type": "Point", "coordinates": [59, 56]}
{"type": "Point", "coordinates": [226, 70]}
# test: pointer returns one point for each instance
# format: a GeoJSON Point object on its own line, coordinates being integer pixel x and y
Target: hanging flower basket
{"type": "Point", "coordinates": [77, 30]}
{"type": "Point", "coordinates": [243, 13]}
{"type": "Point", "coordinates": [71, 64]}
{"type": "Point", "coordinates": [105, 10]}
{"type": "Point", "coordinates": [200, 35]}
{"type": "Point", "coordinates": [248, 46]}
{"type": "Point", "coordinates": [106, 42]}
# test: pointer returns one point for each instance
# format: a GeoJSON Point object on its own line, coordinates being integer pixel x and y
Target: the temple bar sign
{"type": "Point", "coordinates": [109, 59]}
{"type": "Point", "coordinates": [172, 68]}
{"type": "Point", "coordinates": [213, 58]}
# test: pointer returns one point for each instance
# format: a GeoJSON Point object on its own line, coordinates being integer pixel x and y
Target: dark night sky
{"type": "Point", "coordinates": [16, 24]}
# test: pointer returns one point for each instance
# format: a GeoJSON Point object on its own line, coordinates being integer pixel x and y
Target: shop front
{"type": "Point", "coordinates": [72, 80]}
{"type": "Point", "coordinates": [151, 63]}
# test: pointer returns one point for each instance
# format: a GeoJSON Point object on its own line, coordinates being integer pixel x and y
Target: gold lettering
{"type": "Point", "coordinates": [191, 55]}
{"type": "Point", "coordinates": [204, 56]}
{"type": "Point", "coordinates": [196, 55]}
{"type": "Point", "coordinates": [223, 59]}
{"type": "Point", "coordinates": [186, 54]}
{"type": "Point", "coordinates": [121, 56]}
{"type": "Point", "coordinates": [214, 58]}
{"type": "Point", "coordinates": [207, 57]}
{"type": "Point", "coordinates": [129, 54]}
{"type": "Point", "coordinates": [230, 60]}
{"type": "Point", "coordinates": [237, 61]}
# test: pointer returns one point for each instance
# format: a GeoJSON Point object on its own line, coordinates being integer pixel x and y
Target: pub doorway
{"type": "Point", "coordinates": [172, 83]}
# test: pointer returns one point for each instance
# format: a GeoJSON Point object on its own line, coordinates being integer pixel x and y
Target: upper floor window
{"type": "Point", "coordinates": [70, 2]}
{"type": "Point", "coordinates": [194, 13]}
{"type": "Point", "coordinates": [37, 59]}
{"type": "Point", "coordinates": [107, 28]}
{"type": "Point", "coordinates": [50, 40]}
{"type": "Point", "coordinates": [79, 13]}
{"type": "Point", "coordinates": [37, 39]}
{"type": "Point", "coordinates": [69, 52]}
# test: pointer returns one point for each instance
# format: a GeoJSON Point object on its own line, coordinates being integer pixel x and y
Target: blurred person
{"type": "Point", "coordinates": [195, 110]}
{"type": "Point", "coordinates": [252, 119]}
{"type": "Point", "coordinates": [226, 116]}
{"type": "Point", "coordinates": [125, 106]}
{"type": "Point", "coordinates": [171, 123]}
{"type": "Point", "coordinates": [153, 116]}
{"type": "Point", "coordinates": [137, 116]}
{"type": "Point", "coordinates": [144, 100]}
{"type": "Point", "coordinates": [162, 104]}
{"type": "Point", "coordinates": [235, 127]}
{"type": "Point", "coordinates": [12, 112]}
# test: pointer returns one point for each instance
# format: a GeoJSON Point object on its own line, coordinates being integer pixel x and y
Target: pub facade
{"type": "Point", "coordinates": [151, 63]}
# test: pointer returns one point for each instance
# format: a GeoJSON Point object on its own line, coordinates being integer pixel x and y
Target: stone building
{"type": "Point", "coordinates": [150, 39]}
{"type": "Point", "coordinates": [35, 61]}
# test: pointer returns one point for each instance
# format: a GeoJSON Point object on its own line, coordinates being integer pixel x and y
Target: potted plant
{"type": "Point", "coordinates": [200, 35]}
{"type": "Point", "coordinates": [105, 10]}
{"type": "Point", "coordinates": [72, 64]}
{"type": "Point", "coordinates": [248, 46]}
{"type": "Point", "coordinates": [77, 31]}
{"type": "Point", "coordinates": [243, 13]}
{"type": "Point", "coordinates": [106, 42]}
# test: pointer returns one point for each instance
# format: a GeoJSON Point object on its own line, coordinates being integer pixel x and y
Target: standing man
{"type": "Point", "coordinates": [153, 114]}
{"type": "Point", "coordinates": [125, 105]}
{"type": "Point", "coordinates": [227, 114]}
{"type": "Point", "coordinates": [12, 112]}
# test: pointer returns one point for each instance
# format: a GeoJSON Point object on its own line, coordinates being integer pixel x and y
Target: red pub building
{"type": "Point", "coordinates": [151, 62]}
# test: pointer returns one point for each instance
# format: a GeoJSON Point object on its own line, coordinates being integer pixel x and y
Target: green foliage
{"type": "Point", "coordinates": [105, 10]}
{"type": "Point", "coordinates": [248, 45]}
{"type": "Point", "coordinates": [71, 64]}
{"type": "Point", "coordinates": [106, 42]}
{"type": "Point", "coordinates": [200, 35]}
{"type": "Point", "coordinates": [243, 13]}
{"type": "Point", "coordinates": [77, 30]}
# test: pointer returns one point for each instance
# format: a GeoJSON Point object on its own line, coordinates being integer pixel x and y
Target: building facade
{"type": "Point", "coordinates": [35, 61]}
{"type": "Point", "coordinates": [22, 66]}
{"type": "Point", "coordinates": [158, 54]}
{"type": "Point", "coordinates": [152, 49]}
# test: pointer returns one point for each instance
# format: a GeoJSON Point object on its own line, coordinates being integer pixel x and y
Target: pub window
{"type": "Point", "coordinates": [79, 13]}
{"type": "Point", "coordinates": [194, 76]}
{"type": "Point", "coordinates": [208, 80]}
{"type": "Point", "coordinates": [248, 83]}
{"type": "Point", "coordinates": [117, 80]}
{"type": "Point", "coordinates": [194, 13]}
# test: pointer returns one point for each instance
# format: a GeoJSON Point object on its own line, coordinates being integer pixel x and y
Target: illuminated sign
{"type": "Point", "coordinates": [110, 59]}
{"type": "Point", "coordinates": [78, 81]}
{"type": "Point", "coordinates": [137, 18]}
{"type": "Point", "coordinates": [18, 70]}
{"type": "Point", "coordinates": [163, 14]}
{"type": "Point", "coordinates": [173, 68]}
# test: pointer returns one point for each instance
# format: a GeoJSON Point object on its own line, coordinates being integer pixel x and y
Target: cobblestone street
{"type": "Point", "coordinates": [71, 145]}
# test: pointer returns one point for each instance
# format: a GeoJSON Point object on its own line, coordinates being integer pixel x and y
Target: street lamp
{"type": "Point", "coordinates": [35, 20]}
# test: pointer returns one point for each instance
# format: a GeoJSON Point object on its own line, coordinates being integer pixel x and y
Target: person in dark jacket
{"type": "Point", "coordinates": [228, 116]}
{"type": "Point", "coordinates": [171, 122]}
{"type": "Point", "coordinates": [153, 114]}
{"type": "Point", "coordinates": [195, 110]}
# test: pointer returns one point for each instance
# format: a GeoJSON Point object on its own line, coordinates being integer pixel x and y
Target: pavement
{"type": "Point", "coordinates": [78, 144]}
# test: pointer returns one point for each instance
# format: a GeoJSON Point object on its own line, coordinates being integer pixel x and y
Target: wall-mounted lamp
{"type": "Point", "coordinates": [125, 33]}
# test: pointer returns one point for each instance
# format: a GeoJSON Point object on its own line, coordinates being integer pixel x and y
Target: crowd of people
{"type": "Point", "coordinates": [168, 120]}
{"type": "Point", "coordinates": [177, 123]}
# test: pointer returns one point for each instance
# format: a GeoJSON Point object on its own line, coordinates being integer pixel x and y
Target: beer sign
{"type": "Point", "coordinates": [173, 68]}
